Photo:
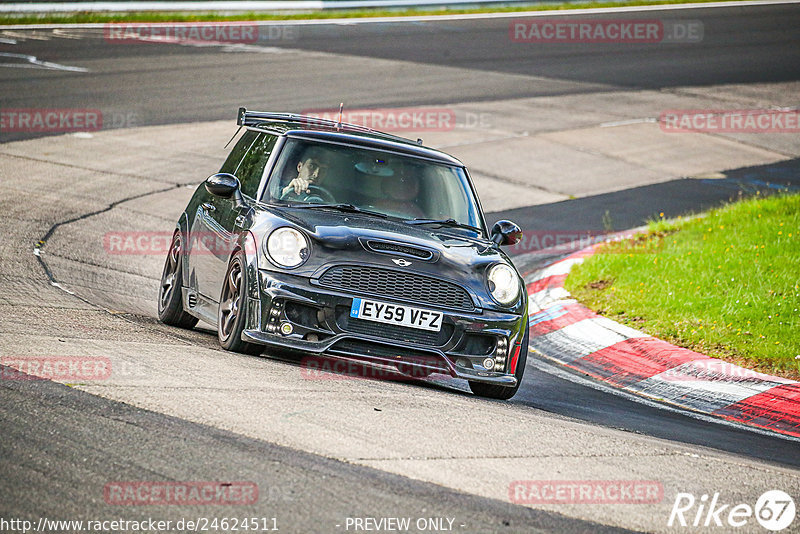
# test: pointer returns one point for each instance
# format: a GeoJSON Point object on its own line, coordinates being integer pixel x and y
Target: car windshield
{"type": "Point", "coordinates": [396, 185]}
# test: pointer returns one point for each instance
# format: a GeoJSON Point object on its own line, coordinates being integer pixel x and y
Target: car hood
{"type": "Point", "coordinates": [351, 238]}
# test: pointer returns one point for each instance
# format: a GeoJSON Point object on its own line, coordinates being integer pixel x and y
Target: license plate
{"type": "Point", "coordinates": [383, 312]}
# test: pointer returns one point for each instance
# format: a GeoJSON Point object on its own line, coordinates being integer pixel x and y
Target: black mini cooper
{"type": "Point", "coordinates": [344, 242]}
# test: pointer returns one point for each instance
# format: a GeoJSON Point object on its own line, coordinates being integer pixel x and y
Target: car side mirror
{"type": "Point", "coordinates": [506, 233]}
{"type": "Point", "coordinates": [225, 185]}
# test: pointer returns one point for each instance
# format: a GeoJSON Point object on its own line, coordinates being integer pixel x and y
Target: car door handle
{"type": "Point", "coordinates": [240, 220]}
{"type": "Point", "coordinates": [209, 207]}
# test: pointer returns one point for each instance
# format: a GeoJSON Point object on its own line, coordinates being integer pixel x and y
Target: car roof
{"type": "Point", "coordinates": [312, 128]}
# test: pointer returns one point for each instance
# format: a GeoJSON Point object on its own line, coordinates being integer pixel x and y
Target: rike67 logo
{"type": "Point", "coordinates": [774, 510]}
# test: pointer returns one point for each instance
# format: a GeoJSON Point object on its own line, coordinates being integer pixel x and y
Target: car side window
{"type": "Point", "coordinates": [238, 152]}
{"type": "Point", "coordinates": [252, 166]}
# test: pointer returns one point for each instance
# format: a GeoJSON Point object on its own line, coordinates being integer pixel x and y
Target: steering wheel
{"type": "Point", "coordinates": [313, 193]}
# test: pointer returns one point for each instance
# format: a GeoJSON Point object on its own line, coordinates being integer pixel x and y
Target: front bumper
{"type": "Point", "coordinates": [293, 313]}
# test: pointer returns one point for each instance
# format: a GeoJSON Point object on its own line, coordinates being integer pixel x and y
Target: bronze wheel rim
{"type": "Point", "coordinates": [170, 274]}
{"type": "Point", "coordinates": [230, 304]}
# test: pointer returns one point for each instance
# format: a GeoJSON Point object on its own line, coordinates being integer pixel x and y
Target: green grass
{"type": "Point", "coordinates": [726, 284]}
{"type": "Point", "coordinates": [87, 17]}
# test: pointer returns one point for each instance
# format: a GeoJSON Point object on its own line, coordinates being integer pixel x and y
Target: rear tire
{"type": "Point", "coordinates": [493, 391]}
{"type": "Point", "coordinates": [233, 308]}
{"type": "Point", "coordinates": [170, 297]}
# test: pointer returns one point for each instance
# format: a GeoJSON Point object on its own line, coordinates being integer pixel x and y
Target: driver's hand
{"type": "Point", "coordinates": [299, 185]}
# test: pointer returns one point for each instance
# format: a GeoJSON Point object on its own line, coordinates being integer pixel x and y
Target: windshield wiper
{"type": "Point", "coordinates": [444, 222]}
{"type": "Point", "coordinates": [349, 208]}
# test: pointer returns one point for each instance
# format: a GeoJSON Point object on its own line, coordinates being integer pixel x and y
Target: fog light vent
{"type": "Point", "coordinates": [300, 314]}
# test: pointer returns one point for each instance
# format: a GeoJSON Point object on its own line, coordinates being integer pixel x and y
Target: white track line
{"type": "Point", "coordinates": [31, 62]}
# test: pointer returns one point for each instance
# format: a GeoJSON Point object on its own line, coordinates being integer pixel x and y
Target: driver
{"type": "Point", "coordinates": [311, 170]}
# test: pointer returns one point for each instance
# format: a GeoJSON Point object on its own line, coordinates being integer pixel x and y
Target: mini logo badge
{"type": "Point", "coordinates": [401, 262]}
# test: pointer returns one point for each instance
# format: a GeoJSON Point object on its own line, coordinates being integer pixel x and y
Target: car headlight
{"type": "Point", "coordinates": [287, 247]}
{"type": "Point", "coordinates": [503, 284]}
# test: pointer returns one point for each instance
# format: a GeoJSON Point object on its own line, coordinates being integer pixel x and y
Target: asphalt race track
{"type": "Point", "coordinates": [567, 144]}
{"type": "Point", "coordinates": [480, 63]}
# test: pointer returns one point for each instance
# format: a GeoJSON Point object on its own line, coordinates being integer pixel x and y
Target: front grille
{"type": "Point", "coordinates": [397, 285]}
{"type": "Point", "coordinates": [390, 331]}
{"type": "Point", "coordinates": [387, 247]}
{"type": "Point", "coordinates": [368, 350]}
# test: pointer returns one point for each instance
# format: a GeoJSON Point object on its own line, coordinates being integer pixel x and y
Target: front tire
{"type": "Point", "coordinates": [233, 308]}
{"type": "Point", "coordinates": [493, 391]}
{"type": "Point", "coordinates": [170, 298]}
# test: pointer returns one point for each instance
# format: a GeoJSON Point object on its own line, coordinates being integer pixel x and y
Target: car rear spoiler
{"type": "Point", "coordinates": [251, 118]}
